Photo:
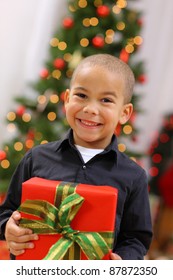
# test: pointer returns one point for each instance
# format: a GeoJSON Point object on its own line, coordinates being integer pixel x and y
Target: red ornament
{"type": "Point", "coordinates": [164, 138]}
{"type": "Point", "coordinates": [124, 56]}
{"type": "Point", "coordinates": [68, 22]}
{"type": "Point", "coordinates": [134, 138]}
{"type": "Point", "coordinates": [59, 63]}
{"type": "Point", "coordinates": [98, 42]}
{"type": "Point", "coordinates": [142, 79]}
{"type": "Point", "coordinates": [44, 73]}
{"type": "Point", "coordinates": [3, 155]}
{"type": "Point", "coordinates": [30, 134]}
{"type": "Point", "coordinates": [6, 251]}
{"type": "Point", "coordinates": [156, 158]}
{"type": "Point", "coordinates": [140, 22]}
{"type": "Point", "coordinates": [118, 130]}
{"type": "Point", "coordinates": [62, 96]}
{"type": "Point", "coordinates": [103, 11]}
{"type": "Point", "coordinates": [153, 171]}
{"type": "Point", "coordinates": [20, 110]}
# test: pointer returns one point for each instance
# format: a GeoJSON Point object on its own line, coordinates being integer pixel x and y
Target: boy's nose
{"type": "Point", "coordinates": [91, 109]}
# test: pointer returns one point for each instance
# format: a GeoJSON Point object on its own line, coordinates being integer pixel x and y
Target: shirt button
{"type": "Point", "coordinates": [84, 166]}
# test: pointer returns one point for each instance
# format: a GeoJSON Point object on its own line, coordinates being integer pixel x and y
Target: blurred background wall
{"type": "Point", "coordinates": [25, 31]}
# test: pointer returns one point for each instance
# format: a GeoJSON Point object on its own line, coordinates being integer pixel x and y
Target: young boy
{"type": "Point", "coordinates": [98, 99]}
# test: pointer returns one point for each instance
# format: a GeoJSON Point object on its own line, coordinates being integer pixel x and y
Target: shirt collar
{"type": "Point", "coordinates": [68, 140]}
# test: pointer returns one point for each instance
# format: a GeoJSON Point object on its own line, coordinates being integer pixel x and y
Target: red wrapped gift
{"type": "Point", "coordinates": [73, 220]}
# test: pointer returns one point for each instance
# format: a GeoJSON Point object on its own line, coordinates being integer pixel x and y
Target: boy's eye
{"type": "Point", "coordinates": [106, 100]}
{"type": "Point", "coordinates": [81, 95]}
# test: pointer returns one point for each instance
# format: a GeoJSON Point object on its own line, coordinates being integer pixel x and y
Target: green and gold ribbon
{"type": "Point", "coordinates": [57, 218]}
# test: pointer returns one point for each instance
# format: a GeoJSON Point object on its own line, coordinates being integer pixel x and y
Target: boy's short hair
{"type": "Point", "coordinates": [112, 64]}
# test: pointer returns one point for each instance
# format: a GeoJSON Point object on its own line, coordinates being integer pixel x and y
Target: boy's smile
{"type": "Point", "coordinates": [89, 123]}
{"type": "Point", "coordinates": [94, 106]}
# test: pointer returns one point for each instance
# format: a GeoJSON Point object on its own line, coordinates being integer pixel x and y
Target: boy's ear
{"type": "Point", "coordinates": [126, 113]}
{"type": "Point", "coordinates": [66, 96]}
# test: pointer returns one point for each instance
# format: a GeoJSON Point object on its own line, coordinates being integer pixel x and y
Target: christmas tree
{"type": "Point", "coordinates": [161, 162]}
{"type": "Point", "coordinates": [89, 27]}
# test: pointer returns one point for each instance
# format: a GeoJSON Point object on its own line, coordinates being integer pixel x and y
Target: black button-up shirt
{"type": "Point", "coordinates": [60, 160]}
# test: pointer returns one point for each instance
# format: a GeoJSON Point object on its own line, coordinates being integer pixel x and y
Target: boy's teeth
{"type": "Point", "coordinates": [89, 123]}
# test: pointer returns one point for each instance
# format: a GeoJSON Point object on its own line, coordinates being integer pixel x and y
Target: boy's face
{"type": "Point", "coordinates": [94, 105]}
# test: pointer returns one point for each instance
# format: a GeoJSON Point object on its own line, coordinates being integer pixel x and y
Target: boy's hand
{"type": "Point", "coordinates": [18, 238]}
{"type": "Point", "coordinates": [114, 256]}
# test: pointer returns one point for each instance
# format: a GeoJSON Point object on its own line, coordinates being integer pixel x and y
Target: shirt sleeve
{"type": "Point", "coordinates": [13, 197]}
{"type": "Point", "coordinates": [135, 234]}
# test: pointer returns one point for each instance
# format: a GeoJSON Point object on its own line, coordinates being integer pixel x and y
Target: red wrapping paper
{"type": "Point", "coordinates": [97, 213]}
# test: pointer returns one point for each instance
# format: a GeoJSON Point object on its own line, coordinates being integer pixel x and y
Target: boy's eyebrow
{"type": "Point", "coordinates": [80, 88]}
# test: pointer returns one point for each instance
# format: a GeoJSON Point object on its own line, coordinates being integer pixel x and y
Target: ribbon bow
{"type": "Point", "coordinates": [55, 220]}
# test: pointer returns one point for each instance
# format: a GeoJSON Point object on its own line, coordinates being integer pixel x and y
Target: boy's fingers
{"type": "Point", "coordinates": [23, 238]}
{"type": "Point", "coordinates": [16, 215]}
{"type": "Point", "coordinates": [24, 231]}
{"type": "Point", "coordinates": [114, 256]}
{"type": "Point", "coordinates": [18, 231]}
{"type": "Point", "coordinates": [16, 252]}
{"type": "Point", "coordinates": [18, 247]}
{"type": "Point", "coordinates": [21, 246]}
